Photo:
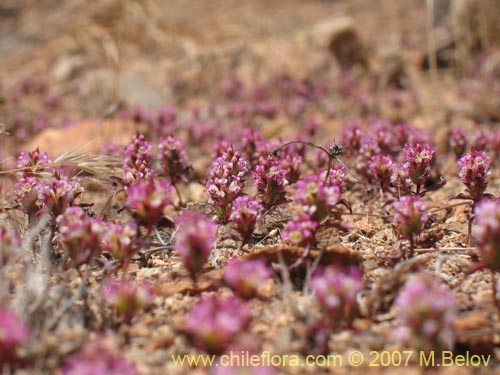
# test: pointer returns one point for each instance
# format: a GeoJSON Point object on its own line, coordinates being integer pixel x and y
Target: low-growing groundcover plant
{"type": "Point", "coordinates": [77, 232]}
{"type": "Point", "coordinates": [487, 238]}
{"type": "Point", "coordinates": [98, 359]}
{"type": "Point", "coordinates": [474, 172]}
{"type": "Point", "coordinates": [426, 310]}
{"type": "Point", "coordinates": [410, 218]}
{"type": "Point", "coordinates": [13, 333]}
{"type": "Point", "coordinates": [215, 322]}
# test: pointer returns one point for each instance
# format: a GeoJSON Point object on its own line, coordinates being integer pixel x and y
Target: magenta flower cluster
{"type": "Point", "coordinates": [245, 213]}
{"type": "Point", "coordinates": [97, 358]}
{"type": "Point", "coordinates": [336, 289]}
{"type": "Point", "coordinates": [214, 322]}
{"type": "Point", "coordinates": [36, 195]}
{"type": "Point", "coordinates": [79, 235]}
{"type": "Point", "coordinates": [458, 141]}
{"type": "Point", "coordinates": [13, 333]}
{"type": "Point", "coordinates": [417, 162]}
{"type": "Point", "coordinates": [148, 200]}
{"type": "Point", "coordinates": [300, 231]}
{"type": "Point", "coordinates": [226, 182]}
{"type": "Point", "coordinates": [173, 159]}
{"type": "Point", "coordinates": [474, 171]}
{"type": "Point", "coordinates": [33, 161]}
{"type": "Point", "coordinates": [381, 167]}
{"type": "Point", "coordinates": [317, 196]}
{"type": "Point", "coordinates": [487, 233]}
{"type": "Point", "coordinates": [126, 297]}
{"type": "Point", "coordinates": [271, 180]}
{"type": "Point", "coordinates": [410, 217]}
{"type": "Point", "coordinates": [426, 311]}
{"type": "Point", "coordinates": [137, 160]}
{"type": "Point", "coordinates": [195, 240]}
{"type": "Point", "coordinates": [120, 241]}
{"type": "Point", "coordinates": [245, 277]}
{"type": "Point", "coordinates": [10, 246]}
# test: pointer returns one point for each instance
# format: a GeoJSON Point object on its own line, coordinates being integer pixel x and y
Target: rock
{"type": "Point", "coordinates": [66, 67]}
{"type": "Point", "coordinates": [103, 88]}
{"type": "Point", "coordinates": [340, 35]}
{"type": "Point", "coordinates": [85, 136]}
{"type": "Point", "coordinates": [136, 90]}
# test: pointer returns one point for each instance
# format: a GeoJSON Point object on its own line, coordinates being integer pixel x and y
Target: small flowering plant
{"type": "Point", "coordinates": [317, 196]}
{"type": "Point", "coordinates": [351, 136]}
{"type": "Point", "coordinates": [381, 168]}
{"type": "Point", "coordinates": [10, 245]}
{"type": "Point", "coordinates": [336, 289]}
{"type": "Point", "coordinates": [79, 235]}
{"type": "Point", "coordinates": [487, 237]}
{"type": "Point", "coordinates": [173, 159]}
{"type": "Point", "coordinates": [33, 161]}
{"type": "Point", "coordinates": [458, 141]}
{"type": "Point", "coordinates": [137, 160]}
{"type": "Point", "coordinates": [195, 240]}
{"type": "Point", "coordinates": [245, 277]}
{"type": "Point", "coordinates": [37, 196]}
{"type": "Point", "coordinates": [474, 172]}
{"type": "Point", "coordinates": [488, 233]}
{"type": "Point", "coordinates": [301, 231]}
{"type": "Point", "coordinates": [13, 333]}
{"type": "Point", "coordinates": [226, 182]}
{"type": "Point", "coordinates": [125, 297]}
{"type": "Point", "coordinates": [271, 180]}
{"type": "Point", "coordinates": [417, 162]}
{"type": "Point", "coordinates": [410, 217]}
{"type": "Point", "coordinates": [214, 322]}
{"type": "Point", "coordinates": [148, 199]}
{"type": "Point", "coordinates": [245, 214]}
{"type": "Point", "coordinates": [120, 240]}
{"type": "Point", "coordinates": [426, 311]}
{"type": "Point", "coordinates": [97, 358]}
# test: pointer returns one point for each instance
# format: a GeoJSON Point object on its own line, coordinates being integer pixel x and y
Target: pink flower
{"type": "Point", "coordinates": [195, 240]}
{"type": "Point", "coordinates": [148, 199]}
{"type": "Point", "coordinates": [119, 240]}
{"type": "Point", "coordinates": [488, 233]}
{"type": "Point", "coordinates": [125, 297]}
{"type": "Point", "coordinates": [173, 159]}
{"type": "Point", "coordinates": [418, 159]}
{"type": "Point", "coordinates": [13, 333]}
{"type": "Point", "coordinates": [246, 212]}
{"type": "Point", "coordinates": [317, 196]}
{"type": "Point", "coordinates": [474, 173]}
{"type": "Point", "coordinates": [245, 277]}
{"type": "Point", "coordinates": [33, 160]}
{"type": "Point", "coordinates": [458, 141]}
{"type": "Point", "coordinates": [336, 289]}
{"type": "Point", "coordinates": [350, 136]}
{"type": "Point", "coordinates": [300, 231]}
{"type": "Point", "coordinates": [96, 358]}
{"type": "Point", "coordinates": [426, 311]}
{"type": "Point", "coordinates": [271, 180]}
{"type": "Point", "coordinates": [381, 167]}
{"type": "Point", "coordinates": [214, 322]}
{"type": "Point", "coordinates": [226, 182]}
{"type": "Point", "coordinates": [57, 194]}
{"type": "Point", "coordinates": [137, 160]}
{"type": "Point", "coordinates": [10, 246]}
{"type": "Point", "coordinates": [79, 235]}
{"type": "Point", "coordinates": [410, 216]}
